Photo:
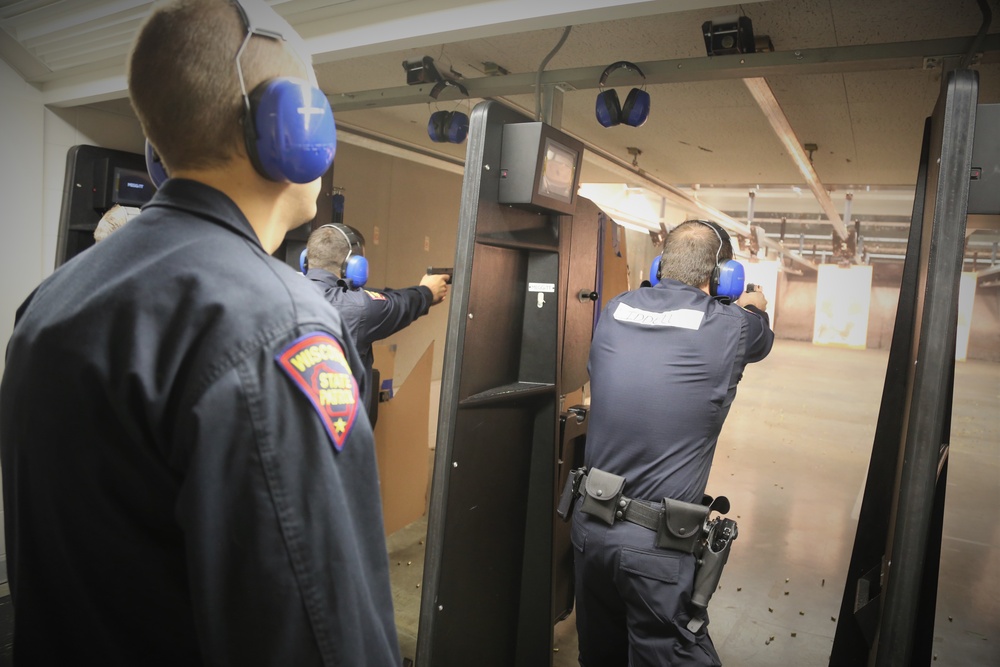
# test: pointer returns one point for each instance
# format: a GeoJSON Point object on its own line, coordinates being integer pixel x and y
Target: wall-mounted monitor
{"type": "Point", "coordinates": [539, 168]}
{"type": "Point", "coordinates": [131, 187]}
{"type": "Point", "coordinates": [117, 180]}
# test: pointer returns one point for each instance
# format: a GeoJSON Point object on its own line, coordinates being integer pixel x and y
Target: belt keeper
{"type": "Point", "coordinates": [623, 504]}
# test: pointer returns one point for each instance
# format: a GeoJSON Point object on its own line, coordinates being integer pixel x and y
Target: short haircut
{"type": "Point", "coordinates": [691, 252]}
{"type": "Point", "coordinates": [326, 249]}
{"type": "Point", "coordinates": [183, 84]}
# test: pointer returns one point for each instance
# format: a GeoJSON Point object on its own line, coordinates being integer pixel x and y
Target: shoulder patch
{"type": "Point", "coordinates": [377, 296]}
{"type": "Point", "coordinates": [317, 365]}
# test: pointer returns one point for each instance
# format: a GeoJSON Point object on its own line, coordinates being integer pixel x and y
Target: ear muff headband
{"type": "Point", "coordinates": [610, 111]}
{"type": "Point", "coordinates": [354, 268]}
{"type": "Point", "coordinates": [288, 125]}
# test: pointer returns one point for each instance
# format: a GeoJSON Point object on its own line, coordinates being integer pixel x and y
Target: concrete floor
{"type": "Point", "coordinates": [792, 458]}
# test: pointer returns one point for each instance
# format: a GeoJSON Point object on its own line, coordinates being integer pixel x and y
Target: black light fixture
{"type": "Point", "coordinates": [728, 34]}
{"type": "Point", "coordinates": [421, 70]}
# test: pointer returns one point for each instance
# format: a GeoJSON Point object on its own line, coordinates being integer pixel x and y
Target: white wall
{"type": "Point", "coordinates": [21, 169]}
{"type": "Point", "coordinates": [21, 194]}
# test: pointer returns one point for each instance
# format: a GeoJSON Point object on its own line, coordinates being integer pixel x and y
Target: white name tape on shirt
{"type": "Point", "coordinates": [317, 365]}
{"type": "Point", "coordinates": [684, 318]}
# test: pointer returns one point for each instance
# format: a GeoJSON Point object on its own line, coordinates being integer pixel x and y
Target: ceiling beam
{"type": "Point", "coordinates": [765, 99]}
{"type": "Point", "coordinates": [368, 27]}
{"type": "Point", "coordinates": [874, 57]}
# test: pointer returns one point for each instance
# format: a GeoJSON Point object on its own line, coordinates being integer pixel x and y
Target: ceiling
{"type": "Point", "coordinates": [856, 78]}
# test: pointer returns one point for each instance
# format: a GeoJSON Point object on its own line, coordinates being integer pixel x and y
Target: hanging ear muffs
{"type": "Point", "coordinates": [354, 268]}
{"type": "Point", "coordinates": [154, 166]}
{"type": "Point", "coordinates": [448, 126]}
{"type": "Point", "coordinates": [610, 111]}
{"type": "Point", "coordinates": [728, 276]}
{"type": "Point", "coordinates": [288, 125]}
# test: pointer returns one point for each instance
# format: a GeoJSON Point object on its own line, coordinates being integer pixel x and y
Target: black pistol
{"type": "Point", "coordinates": [441, 271]}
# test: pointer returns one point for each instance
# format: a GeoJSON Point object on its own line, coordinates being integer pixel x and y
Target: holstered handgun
{"type": "Point", "coordinates": [570, 492]}
{"type": "Point", "coordinates": [719, 541]}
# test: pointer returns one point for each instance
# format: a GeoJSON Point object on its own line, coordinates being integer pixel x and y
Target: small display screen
{"type": "Point", "coordinates": [558, 172]}
{"type": "Point", "coordinates": [131, 187]}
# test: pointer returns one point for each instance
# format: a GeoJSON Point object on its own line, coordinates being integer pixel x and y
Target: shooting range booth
{"type": "Point", "coordinates": [498, 568]}
{"type": "Point", "coordinates": [97, 179]}
{"type": "Point", "coordinates": [888, 608]}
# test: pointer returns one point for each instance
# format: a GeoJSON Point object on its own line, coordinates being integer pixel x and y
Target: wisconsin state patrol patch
{"type": "Point", "coordinates": [317, 365]}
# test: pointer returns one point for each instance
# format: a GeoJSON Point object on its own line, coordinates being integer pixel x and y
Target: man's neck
{"type": "Point", "coordinates": [259, 199]}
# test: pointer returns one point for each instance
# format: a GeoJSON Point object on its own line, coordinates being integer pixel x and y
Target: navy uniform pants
{"type": "Point", "coordinates": [633, 599]}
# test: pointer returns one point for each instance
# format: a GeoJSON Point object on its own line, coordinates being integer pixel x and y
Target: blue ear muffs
{"type": "Point", "coordinates": [448, 126]}
{"type": "Point", "coordinates": [354, 269]}
{"type": "Point", "coordinates": [289, 130]}
{"type": "Point", "coordinates": [303, 262]}
{"type": "Point", "coordinates": [288, 125]}
{"type": "Point", "coordinates": [635, 111]}
{"type": "Point", "coordinates": [728, 280]}
{"type": "Point", "coordinates": [154, 166]}
{"type": "Point", "coordinates": [728, 276]}
{"type": "Point", "coordinates": [436, 126]}
{"type": "Point", "coordinates": [654, 270]}
{"type": "Point", "coordinates": [610, 111]}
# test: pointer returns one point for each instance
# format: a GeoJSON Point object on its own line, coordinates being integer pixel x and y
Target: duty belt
{"type": "Point", "coordinates": [678, 525]}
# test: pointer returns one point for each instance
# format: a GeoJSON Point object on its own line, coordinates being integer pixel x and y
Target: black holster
{"type": "Point", "coordinates": [570, 492]}
{"type": "Point", "coordinates": [718, 543]}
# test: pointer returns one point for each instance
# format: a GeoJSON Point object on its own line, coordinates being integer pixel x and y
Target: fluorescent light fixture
{"type": "Point", "coordinates": [624, 204]}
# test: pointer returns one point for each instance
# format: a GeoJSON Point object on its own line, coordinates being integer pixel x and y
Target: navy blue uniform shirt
{"type": "Point", "coordinates": [188, 476]}
{"type": "Point", "coordinates": [372, 315]}
{"type": "Point", "coordinates": [664, 365]}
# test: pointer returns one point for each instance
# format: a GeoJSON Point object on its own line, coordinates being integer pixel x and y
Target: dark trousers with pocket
{"type": "Point", "coordinates": [633, 599]}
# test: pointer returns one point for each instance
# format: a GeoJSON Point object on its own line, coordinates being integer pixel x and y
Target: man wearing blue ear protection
{"type": "Point", "coordinates": [189, 477]}
{"type": "Point", "coordinates": [664, 365]}
{"type": "Point", "coordinates": [370, 315]}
